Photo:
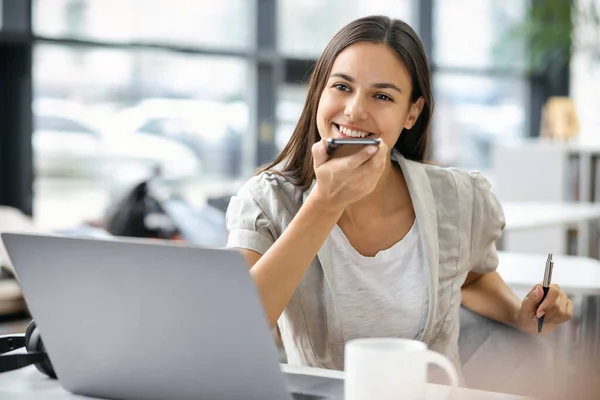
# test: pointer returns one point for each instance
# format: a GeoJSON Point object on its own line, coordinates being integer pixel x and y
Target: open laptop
{"type": "Point", "coordinates": [133, 320]}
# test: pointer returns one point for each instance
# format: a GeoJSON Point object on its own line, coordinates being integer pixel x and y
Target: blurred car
{"type": "Point", "coordinates": [65, 139]}
{"type": "Point", "coordinates": [69, 140]}
{"type": "Point", "coordinates": [214, 131]}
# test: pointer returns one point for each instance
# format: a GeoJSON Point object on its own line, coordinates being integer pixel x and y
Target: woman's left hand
{"type": "Point", "coordinates": [556, 309]}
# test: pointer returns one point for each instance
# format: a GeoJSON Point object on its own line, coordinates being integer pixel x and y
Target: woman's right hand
{"type": "Point", "coordinates": [346, 180]}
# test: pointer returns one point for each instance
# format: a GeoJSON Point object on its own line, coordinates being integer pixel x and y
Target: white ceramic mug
{"type": "Point", "coordinates": [389, 368]}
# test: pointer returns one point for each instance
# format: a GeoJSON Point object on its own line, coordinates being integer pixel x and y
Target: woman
{"type": "Point", "coordinates": [378, 243]}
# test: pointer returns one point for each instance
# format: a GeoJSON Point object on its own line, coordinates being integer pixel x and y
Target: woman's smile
{"type": "Point", "coordinates": [349, 131]}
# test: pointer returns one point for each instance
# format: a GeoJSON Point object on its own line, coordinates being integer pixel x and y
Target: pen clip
{"type": "Point", "coordinates": [548, 271]}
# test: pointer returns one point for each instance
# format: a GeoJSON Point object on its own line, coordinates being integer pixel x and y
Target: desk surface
{"type": "Point", "coordinates": [528, 215]}
{"type": "Point", "coordinates": [574, 275]}
{"type": "Point", "coordinates": [28, 383]}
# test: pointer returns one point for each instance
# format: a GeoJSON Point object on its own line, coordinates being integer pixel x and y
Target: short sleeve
{"type": "Point", "coordinates": [487, 225]}
{"type": "Point", "coordinates": [248, 224]}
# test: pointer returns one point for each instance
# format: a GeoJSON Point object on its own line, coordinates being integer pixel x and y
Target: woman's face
{"type": "Point", "coordinates": [367, 94]}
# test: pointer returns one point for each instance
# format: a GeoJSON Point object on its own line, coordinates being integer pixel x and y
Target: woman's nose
{"type": "Point", "coordinates": [355, 109]}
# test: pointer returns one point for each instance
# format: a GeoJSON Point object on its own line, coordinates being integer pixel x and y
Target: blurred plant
{"type": "Point", "coordinates": [547, 35]}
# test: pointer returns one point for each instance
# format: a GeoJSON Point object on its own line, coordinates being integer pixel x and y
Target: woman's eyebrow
{"type": "Point", "coordinates": [343, 76]}
{"type": "Point", "coordinates": [386, 85]}
{"type": "Point", "coordinates": [379, 85]}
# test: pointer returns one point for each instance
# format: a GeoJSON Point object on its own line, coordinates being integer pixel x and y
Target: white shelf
{"type": "Point", "coordinates": [535, 170]}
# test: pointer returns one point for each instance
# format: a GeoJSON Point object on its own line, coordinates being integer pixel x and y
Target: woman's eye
{"type": "Point", "coordinates": [383, 97]}
{"type": "Point", "coordinates": [340, 86]}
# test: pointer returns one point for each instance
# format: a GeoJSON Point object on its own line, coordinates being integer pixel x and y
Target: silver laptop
{"type": "Point", "coordinates": [132, 320]}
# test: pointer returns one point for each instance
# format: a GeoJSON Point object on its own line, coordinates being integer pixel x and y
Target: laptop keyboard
{"type": "Point", "coordinates": [308, 387]}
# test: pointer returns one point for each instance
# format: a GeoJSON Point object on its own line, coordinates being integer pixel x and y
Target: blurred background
{"type": "Point", "coordinates": [142, 117]}
{"type": "Point", "coordinates": [207, 91]}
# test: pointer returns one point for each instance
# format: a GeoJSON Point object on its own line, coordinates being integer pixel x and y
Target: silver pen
{"type": "Point", "coordinates": [546, 287]}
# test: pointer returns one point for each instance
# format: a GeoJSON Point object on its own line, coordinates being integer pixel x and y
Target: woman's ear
{"type": "Point", "coordinates": [413, 113]}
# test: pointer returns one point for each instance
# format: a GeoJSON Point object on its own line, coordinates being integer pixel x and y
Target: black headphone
{"type": "Point", "coordinates": [36, 353]}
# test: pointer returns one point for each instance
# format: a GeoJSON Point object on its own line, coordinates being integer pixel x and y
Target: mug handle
{"type": "Point", "coordinates": [433, 357]}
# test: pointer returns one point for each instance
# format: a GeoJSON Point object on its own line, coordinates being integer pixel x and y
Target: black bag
{"type": "Point", "coordinates": [139, 214]}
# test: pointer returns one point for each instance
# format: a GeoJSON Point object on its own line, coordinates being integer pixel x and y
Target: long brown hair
{"type": "Point", "coordinates": [295, 160]}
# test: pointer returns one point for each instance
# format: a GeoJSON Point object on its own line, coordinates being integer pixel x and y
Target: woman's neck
{"type": "Point", "coordinates": [389, 196]}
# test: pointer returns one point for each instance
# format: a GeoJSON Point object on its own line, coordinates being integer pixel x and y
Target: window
{"type": "Point", "coordinates": [585, 74]}
{"type": "Point", "coordinates": [471, 33]}
{"type": "Point", "coordinates": [480, 94]}
{"type": "Point", "coordinates": [305, 27]}
{"type": "Point", "coordinates": [471, 112]}
{"type": "Point", "coordinates": [291, 100]}
{"type": "Point", "coordinates": [149, 108]}
{"type": "Point", "coordinates": [215, 24]}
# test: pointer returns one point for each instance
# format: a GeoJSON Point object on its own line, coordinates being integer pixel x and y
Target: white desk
{"type": "Point", "coordinates": [29, 384]}
{"type": "Point", "coordinates": [575, 275]}
{"type": "Point", "coordinates": [529, 215]}
{"type": "Point", "coordinates": [539, 227]}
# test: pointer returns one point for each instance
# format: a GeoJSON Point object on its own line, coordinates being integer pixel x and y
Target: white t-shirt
{"type": "Point", "coordinates": [459, 220]}
{"type": "Point", "coordinates": [381, 296]}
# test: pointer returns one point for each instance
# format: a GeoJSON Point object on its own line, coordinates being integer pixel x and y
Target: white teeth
{"type": "Point", "coordinates": [350, 132]}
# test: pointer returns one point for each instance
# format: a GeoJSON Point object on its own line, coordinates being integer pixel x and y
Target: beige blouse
{"type": "Point", "coordinates": [459, 221]}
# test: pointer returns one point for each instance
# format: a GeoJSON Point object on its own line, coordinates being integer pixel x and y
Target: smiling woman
{"type": "Point", "coordinates": [378, 109]}
{"type": "Point", "coordinates": [389, 85]}
{"type": "Point", "coordinates": [378, 243]}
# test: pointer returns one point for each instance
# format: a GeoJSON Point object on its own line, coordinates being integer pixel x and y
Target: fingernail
{"type": "Point", "coordinates": [540, 314]}
{"type": "Point", "coordinates": [371, 150]}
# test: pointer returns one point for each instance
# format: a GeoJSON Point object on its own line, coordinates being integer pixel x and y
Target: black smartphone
{"type": "Point", "coordinates": [345, 147]}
